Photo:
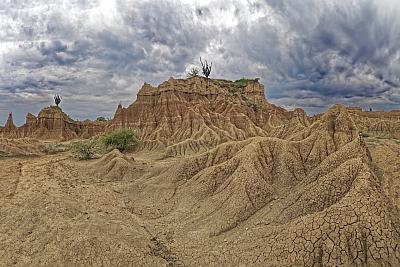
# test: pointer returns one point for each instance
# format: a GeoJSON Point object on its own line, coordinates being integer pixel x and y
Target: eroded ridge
{"type": "Point", "coordinates": [315, 200]}
{"type": "Point", "coordinates": [322, 196]}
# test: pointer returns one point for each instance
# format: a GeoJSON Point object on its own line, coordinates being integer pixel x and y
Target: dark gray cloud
{"type": "Point", "coordinates": [309, 53]}
{"type": "Point", "coordinates": [329, 50]}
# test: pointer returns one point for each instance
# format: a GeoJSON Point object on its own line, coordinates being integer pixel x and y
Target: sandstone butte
{"type": "Point", "coordinates": [270, 187]}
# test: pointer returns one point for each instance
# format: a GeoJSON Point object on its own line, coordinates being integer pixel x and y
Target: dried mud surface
{"type": "Point", "coordinates": [324, 197]}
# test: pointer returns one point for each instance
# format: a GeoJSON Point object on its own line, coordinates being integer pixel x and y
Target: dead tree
{"type": "Point", "coordinates": [193, 72]}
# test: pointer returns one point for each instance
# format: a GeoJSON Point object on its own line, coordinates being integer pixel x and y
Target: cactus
{"type": "Point", "coordinates": [57, 99]}
{"type": "Point", "coordinates": [206, 68]}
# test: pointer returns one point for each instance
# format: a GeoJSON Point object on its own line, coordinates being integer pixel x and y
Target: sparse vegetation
{"type": "Point", "coordinates": [220, 82]}
{"type": "Point", "coordinates": [123, 139]}
{"type": "Point", "coordinates": [85, 150]}
{"type": "Point", "coordinates": [54, 148]}
{"type": "Point", "coordinates": [160, 248]}
{"type": "Point", "coordinates": [244, 82]}
{"type": "Point", "coordinates": [193, 72]}
{"type": "Point", "coordinates": [237, 86]}
{"type": "Point", "coordinates": [250, 103]}
{"type": "Point", "coordinates": [101, 119]}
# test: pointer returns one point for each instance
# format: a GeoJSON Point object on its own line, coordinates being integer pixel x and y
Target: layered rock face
{"type": "Point", "coordinates": [52, 123]}
{"type": "Point", "coordinates": [195, 114]}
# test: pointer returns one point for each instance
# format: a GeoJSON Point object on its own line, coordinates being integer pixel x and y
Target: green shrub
{"type": "Point", "coordinates": [101, 119]}
{"type": "Point", "coordinates": [236, 87]}
{"type": "Point", "coordinates": [86, 150]}
{"type": "Point", "coordinates": [122, 139]}
{"type": "Point", "coordinates": [244, 82]}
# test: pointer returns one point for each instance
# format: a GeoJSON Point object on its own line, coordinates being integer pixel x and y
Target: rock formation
{"type": "Point", "coordinates": [185, 116]}
{"type": "Point", "coordinates": [52, 124]}
{"type": "Point", "coordinates": [270, 188]}
{"type": "Point", "coordinates": [10, 127]}
{"type": "Point", "coordinates": [195, 114]}
{"type": "Point", "coordinates": [314, 200]}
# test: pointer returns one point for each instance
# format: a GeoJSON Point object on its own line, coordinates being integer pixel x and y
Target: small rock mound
{"type": "Point", "coordinates": [113, 166]}
{"type": "Point", "coordinates": [20, 147]}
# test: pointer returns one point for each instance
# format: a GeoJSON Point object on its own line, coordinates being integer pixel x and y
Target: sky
{"type": "Point", "coordinates": [97, 53]}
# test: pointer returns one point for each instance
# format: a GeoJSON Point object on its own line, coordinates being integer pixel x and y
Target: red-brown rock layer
{"type": "Point", "coordinates": [191, 115]}
{"type": "Point", "coordinates": [51, 123]}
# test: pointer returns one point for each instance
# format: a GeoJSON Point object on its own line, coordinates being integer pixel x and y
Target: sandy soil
{"type": "Point", "coordinates": [323, 200]}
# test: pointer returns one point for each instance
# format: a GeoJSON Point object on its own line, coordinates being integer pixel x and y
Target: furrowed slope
{"type": "Point", "coordinates": [313, 200]}
{"type": "Point", "coordinates": [20, 147]}
{"type": "Point", "coordinates": [377, 123]}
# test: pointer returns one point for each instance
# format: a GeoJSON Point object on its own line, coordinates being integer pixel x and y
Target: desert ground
{"type": "Point", "coordinates": [221, 177]}
{"type": "Point", "coordinates": [130, 210]}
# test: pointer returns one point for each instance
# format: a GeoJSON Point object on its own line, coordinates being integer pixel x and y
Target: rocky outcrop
{"type": "Point", "coordinates": [195, 114]}
{"type": "Point", "coordinates": [52, 123]}
{"type": "Point", "coordinates": [10, 127]}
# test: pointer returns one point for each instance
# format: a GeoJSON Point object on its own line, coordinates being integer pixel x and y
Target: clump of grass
{"type": "Point", "coordinates": [244, 82]}
{"type": "Point", "coordinates": [251, 104]}
{"type": "Point", "coordinates": [122, 139]}
{"type": "Point", "coordinates": [54, 148]}
{"type": "Point", "coordinates": [85, 150]}
{"type": "Point", "coordinates": [221, 82]}
{"type": "Point", "coordinates": [237, 86]}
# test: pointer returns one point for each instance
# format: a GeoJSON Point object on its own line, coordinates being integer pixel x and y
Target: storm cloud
{"type": "Point", "coordinates": [97, 53]}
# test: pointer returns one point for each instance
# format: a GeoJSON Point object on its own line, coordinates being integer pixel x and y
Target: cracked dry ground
{"type": "Point", "coordinates": [318, 201]}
